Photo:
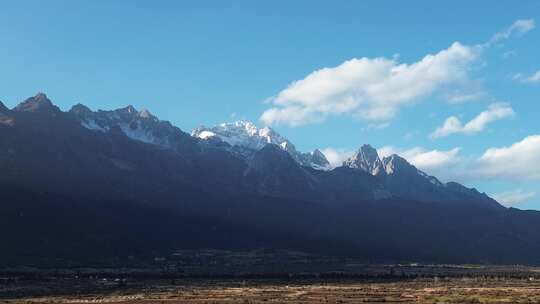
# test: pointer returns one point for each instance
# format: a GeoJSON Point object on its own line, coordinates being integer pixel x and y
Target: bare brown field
{"type": "Point", "coordinates": [465, 290]}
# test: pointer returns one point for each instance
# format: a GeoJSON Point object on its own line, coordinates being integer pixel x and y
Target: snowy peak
{"type": "Point", "coordinates": [366, 159]}
{"type": "Point", "coordinates": [246, 135]}
{"type": "Point", "coordinates": [140, 126]}
{"type": "Point", "coordinates": [38, 103]}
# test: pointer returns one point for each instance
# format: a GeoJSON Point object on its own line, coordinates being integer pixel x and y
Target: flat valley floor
{"type": "Point", "coordinates": [455, 290]}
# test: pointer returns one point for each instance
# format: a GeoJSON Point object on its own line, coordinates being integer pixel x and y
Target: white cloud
{"type": "Point", "coordinates": [454, 125]}
{"type": "Point", "coordinates": [520, 161]}
{"type": "Point", "coordinates": [370, 88]}
{"type": "Point", "coordinates": [375, 89]}
{"type": "Point", "coordinates": [519, 27]}
{"type": "Point", "coordinates": [336, 157]}
{"type": "Point", "coordinates": [534, 78]}
{"type": "Point", "coordinates": [515, 197]}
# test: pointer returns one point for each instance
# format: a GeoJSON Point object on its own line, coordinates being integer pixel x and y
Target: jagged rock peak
{"type": "Point", "coordinates": [367, 159]}
{"type": "Point", "coordinates": [38, 103]}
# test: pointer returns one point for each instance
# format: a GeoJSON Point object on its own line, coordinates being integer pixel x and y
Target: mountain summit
{"type": "Point", "coordinates": [250, 138]}
{"type": "Point", "coordinates": [38, 103]}
{"type": "Point", "coordinates": [367, 159]}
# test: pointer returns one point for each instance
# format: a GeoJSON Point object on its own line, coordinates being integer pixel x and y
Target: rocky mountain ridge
{"type": "Point", "coordinates": [393, 175]}
{"type": "Point", "coordinates": [81, 185]}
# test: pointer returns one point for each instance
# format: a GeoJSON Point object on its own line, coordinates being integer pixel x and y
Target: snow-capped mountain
{"type": "Point", "coordinates": [248, 138]}
{"type": "Point", "coordinates": [367, 159]}
{"type": "Point", "coordinates": [138, 125]}
{"type": "Point", "coordinates": [241, 137]}
{"type": "Point", "coordinates": [394, 174]}
{"type": "Point", "coordinates": [243, 133]}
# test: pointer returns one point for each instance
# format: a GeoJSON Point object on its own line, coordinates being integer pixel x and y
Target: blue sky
{"type": "Point", "coordinates": [207, 62]}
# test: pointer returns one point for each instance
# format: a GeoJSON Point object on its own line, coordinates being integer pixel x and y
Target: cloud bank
{"type": "Point", "coordinates": [370, 88]}
{"type": "Point", "coordinates": [375, 89]}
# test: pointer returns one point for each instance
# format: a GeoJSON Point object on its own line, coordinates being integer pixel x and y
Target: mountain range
{"type": "Point", "coordinates": [86, 185]}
